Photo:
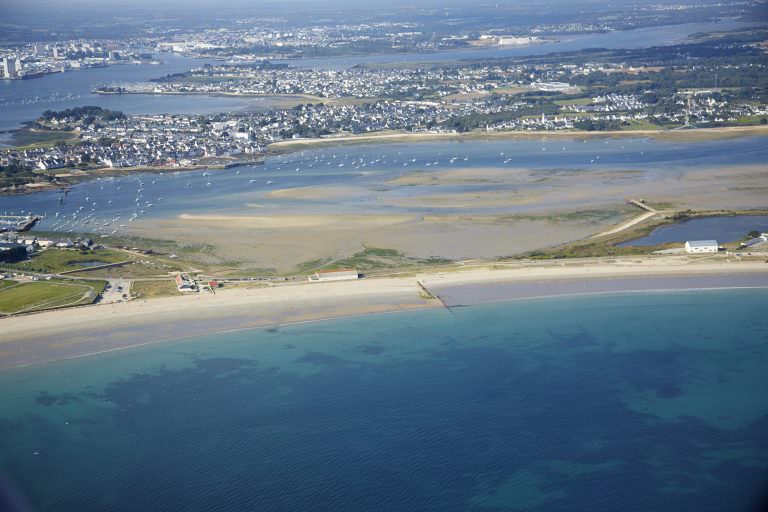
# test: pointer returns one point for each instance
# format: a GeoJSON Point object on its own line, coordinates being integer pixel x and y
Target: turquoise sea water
{"type": "Point", "coordinates": [615, 402]}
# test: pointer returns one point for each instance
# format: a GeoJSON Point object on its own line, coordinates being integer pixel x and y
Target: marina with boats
{"type": "Point", "coordinates": [18, 223]}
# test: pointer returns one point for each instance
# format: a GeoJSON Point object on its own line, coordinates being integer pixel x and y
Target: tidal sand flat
{"type": "Point", "coordinates": [482, 212]}
{"type": "Point", "coordinates": [286, 243]}
{"type": "Point", "coordinates": [478, 198]}
{"type": "Point", "coordinates": [623, 402]}
{"type": "Point", "coordinates": [276, 242]}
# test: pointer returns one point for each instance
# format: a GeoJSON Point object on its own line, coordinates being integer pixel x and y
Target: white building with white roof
{"type": "Point", "coordinates": [701, 246]}
{"type": "Point", "coordinates": [343, 274]}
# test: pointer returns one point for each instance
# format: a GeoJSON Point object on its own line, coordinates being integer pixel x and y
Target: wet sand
{"type": "Point", "coordinates": [471, 294]}
{"type": "Point", "coordinates": [484, 212]}
{"type": "Point", "coordinates": [55, 335]}
{"type": "Point", "coordinates": [286, 242]}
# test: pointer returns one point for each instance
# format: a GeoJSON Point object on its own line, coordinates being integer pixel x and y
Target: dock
{"type": "Point", "coordinates": [18, 222]}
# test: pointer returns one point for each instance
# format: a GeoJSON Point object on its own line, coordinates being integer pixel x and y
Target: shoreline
{"type": "Point", "coordinates": [689, 135]}
{"type": "Point", "coordinates": [98, 172]}
{"type": "Point", "coordinates": [64, 334]}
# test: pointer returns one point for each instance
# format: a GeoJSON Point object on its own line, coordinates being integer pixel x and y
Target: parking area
{"type": "Point", "coordinates": [117, 290]}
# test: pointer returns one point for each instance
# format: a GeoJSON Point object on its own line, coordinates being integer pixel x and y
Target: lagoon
{"type": "Point", "coordinates": [629, 163]}
{"type": "Point", "coordinates": [721, 228]}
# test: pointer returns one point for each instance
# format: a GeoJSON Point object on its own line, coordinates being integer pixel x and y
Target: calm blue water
{"type": "Point", "coordinates": [621, 402]}
{"type": "Point", "coordinates": [93, 203]}
{"type": "Point", "coordinates": [238, 190]}
{"type": "Point", "coordinates": [24, 100]}
{"type": "Point", "coordinates": [722, 229]}
{"type": "Point", "coordinates": [638, 38]}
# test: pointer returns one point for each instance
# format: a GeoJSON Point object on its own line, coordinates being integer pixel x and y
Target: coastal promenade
{"type": "Point", "coordinates": [62, 334]}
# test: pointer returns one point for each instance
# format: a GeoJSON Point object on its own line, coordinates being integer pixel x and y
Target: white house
{"type": "Point", "coordinates": [343, 274]}
{"type": "Point", "coordinates": [701, 246]}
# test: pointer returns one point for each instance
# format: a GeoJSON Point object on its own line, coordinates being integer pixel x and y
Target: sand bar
{"type": "Point", "coordinates": [698, 134]}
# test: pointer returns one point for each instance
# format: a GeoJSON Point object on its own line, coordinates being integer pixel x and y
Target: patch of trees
{"type": "Point", "coordinates": [304, 131]}
{"type": "Point", "coordinates": [13, 254]}
{"type": "Point", "coordinates": [16, 174]}
{"type": "Point", "coordinates": [81, 113]}
{"type": "Point", "coordinates": [474, 121]}
{"type": "Point", "coordinates": [597, 125]}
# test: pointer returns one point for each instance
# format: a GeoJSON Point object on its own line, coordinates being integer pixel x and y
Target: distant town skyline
{"type": "Point", "coordinates": [250, 4]}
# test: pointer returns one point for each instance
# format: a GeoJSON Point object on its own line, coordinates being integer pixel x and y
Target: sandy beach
{"type": "Point", "coordinates": [55, 335]}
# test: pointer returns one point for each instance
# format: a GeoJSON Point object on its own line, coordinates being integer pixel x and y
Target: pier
{"type": "Point", "coordinates": [18, 222]}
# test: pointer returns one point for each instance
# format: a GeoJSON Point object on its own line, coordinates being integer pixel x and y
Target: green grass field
{"type": "Point", "coordinates": [32, 139]}
{"type": "Point", "coordinates": [154, 289]}
{"type": "Point", "coordinates": [372, 258]}
{"type": "Point", "coordinates": [576, 101]}
{"type": "Point", "coordinates": [39, 295]}
{"type": "Point", "coordinates": [640, 125]}
{"type": "Point", "coordinates": [189, 254]}
{"type": "Point", "coordinates": [751, 120]}
{"type": "Point", "coordinates": [62, 260]}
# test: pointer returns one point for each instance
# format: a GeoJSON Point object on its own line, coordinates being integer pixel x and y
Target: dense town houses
{"type": "Point", "coordinates": [184, 140]}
